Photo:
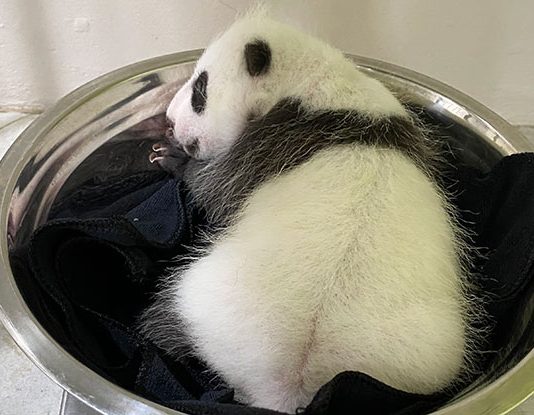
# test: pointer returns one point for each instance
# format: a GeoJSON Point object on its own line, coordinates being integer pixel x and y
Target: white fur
{"type": "Point", "coordinates": [301, 67]}
{"type": "Point", "coordinates": [347, 262]}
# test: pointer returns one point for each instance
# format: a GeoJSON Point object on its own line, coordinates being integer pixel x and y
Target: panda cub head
{"type": "Point", "coordinates": [256, 64]}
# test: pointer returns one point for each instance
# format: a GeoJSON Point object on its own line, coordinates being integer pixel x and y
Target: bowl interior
{"type": "Point", "coordinates": [95, 133]}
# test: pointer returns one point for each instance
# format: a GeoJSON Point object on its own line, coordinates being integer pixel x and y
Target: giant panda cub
{"type": "Point", "coordinates": [336, 251]}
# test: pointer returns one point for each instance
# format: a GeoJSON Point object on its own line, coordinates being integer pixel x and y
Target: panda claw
{"type": "Point", "coordinates": [154, 158]}
{"type": "Point", "coordinates": [157, 147]}
{"type": "Point", "coordinates": [168, 157]}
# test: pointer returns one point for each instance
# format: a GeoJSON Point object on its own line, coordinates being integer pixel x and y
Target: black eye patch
{"type": "Point", "coordinates": [200, 93]}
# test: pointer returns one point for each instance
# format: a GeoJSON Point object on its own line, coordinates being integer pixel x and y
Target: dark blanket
{"type": "Point", "coordinates": [90, 271]}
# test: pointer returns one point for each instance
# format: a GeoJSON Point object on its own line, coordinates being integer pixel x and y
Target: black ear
{"type": "Point", "coordinates": [258, 57]}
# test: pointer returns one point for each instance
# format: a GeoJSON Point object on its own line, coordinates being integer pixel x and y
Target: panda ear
{"type": "Point", "coordinates": [257, 57]}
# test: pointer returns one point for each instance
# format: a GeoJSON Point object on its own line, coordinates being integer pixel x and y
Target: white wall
{"type": "Point", "coordinates": [484, 48]}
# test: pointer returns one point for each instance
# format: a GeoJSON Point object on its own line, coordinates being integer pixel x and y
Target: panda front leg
{"type": "Point", "coordinates": [169, 157]}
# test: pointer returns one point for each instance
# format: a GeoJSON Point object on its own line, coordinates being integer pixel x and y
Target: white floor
{"type": "Point", "coordinates": [24, 389]}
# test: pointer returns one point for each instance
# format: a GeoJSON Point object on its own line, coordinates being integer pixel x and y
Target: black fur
{"type": "Point", "coordinates": [287, 137]}
{"type": "Point", "coordinates": [164, 327]}
{"type": "Point", "coordinates": [257, 57]}
{"type": "Point", "coordinates": [199, 96]}
{"type": "Point", "coordinates": [191, 149]}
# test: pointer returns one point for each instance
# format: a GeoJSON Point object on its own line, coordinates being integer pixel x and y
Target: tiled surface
{"type": "Point", "coordinates": [24, 389]}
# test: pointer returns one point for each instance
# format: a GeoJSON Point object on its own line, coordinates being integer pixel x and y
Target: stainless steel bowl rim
{"type": "Point", "coordinates": [503, 394]}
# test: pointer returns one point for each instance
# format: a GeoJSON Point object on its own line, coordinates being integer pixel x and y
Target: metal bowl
{"type": "Point", "coordinates": [45, 161]}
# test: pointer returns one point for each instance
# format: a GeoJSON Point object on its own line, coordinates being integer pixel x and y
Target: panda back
{"type": "Point", "coordinates": [346, 262]}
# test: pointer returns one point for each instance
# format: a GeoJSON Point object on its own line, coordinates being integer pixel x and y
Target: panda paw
{"type": "Point", "coordinates": [168, 157]}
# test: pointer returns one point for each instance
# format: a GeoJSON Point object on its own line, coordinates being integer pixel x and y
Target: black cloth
{"type": "Point", "coordinates": [89, 272]}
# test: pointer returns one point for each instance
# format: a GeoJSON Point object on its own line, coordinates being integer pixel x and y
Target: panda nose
{"type": "Point", "coordinates": [169, 133]}
{"type": "Point", "coordinates": [191, 148]}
